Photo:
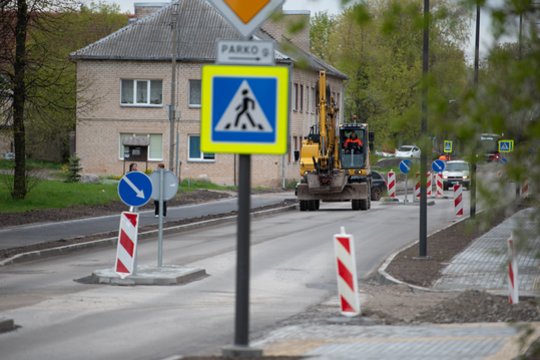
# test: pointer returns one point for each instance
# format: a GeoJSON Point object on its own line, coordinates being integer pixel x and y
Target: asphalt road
{"type": "Point", "coordinates": [43, 232]}
{"type": "Point", "coordinates": [292, 268]}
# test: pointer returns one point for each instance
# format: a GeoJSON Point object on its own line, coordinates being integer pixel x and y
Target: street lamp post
{"type": "Point", "coordinates": [423, 130]}
{"type": "Point", "coordinates": [476, 64]}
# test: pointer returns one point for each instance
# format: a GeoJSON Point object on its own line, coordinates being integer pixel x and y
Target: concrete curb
{"type": "Point", "coordinates": [151, 275]}
{"type": "Point", "coordinates": [6, 324]}
{"type": "Point", "coordinates": [382, 271]}
{"type": "Point", "coordinates": [386, 263]}
{"type": "Point", "coordinates": [112, 240]}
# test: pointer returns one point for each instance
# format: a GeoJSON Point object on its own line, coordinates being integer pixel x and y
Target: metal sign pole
{"type": "Point", "coordinates": [160, 237]}
{"type": "Point", "coordinates": [406, 186]}
{"type": "Point", "coordinates": [241, 337]}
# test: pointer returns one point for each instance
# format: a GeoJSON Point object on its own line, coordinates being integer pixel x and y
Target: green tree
{"type": "Point", "coordinates": [35, 40]}
{"type": "Point", "coordinates": [378, 44]}
{"type": "Point", "coordinates": [322, 26]}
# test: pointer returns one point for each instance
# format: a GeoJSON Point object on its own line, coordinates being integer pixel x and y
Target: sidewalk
{"type": "Point", "coordinates": [480, 266]}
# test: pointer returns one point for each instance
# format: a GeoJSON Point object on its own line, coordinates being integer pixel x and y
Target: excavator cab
{"type": "Point", "coordinates": [352, 147]}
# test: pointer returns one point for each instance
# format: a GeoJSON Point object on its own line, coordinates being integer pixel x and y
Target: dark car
{"type": "Point", "coordinates": [378, 186]}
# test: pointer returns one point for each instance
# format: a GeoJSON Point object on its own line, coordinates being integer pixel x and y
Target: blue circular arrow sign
{"type": "Point", "coordinates": [405, 166]}
{"type": "Point", "coordinates": [135, 188]}
{"type": "Point", "coordinates": [438, 166]}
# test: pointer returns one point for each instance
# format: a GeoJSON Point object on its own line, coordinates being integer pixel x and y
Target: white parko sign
{"type": "Point", "coordinates": [235, 52]}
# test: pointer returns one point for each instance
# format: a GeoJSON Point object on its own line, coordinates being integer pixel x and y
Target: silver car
{"type": "Point", "coordinates": [456, 172]}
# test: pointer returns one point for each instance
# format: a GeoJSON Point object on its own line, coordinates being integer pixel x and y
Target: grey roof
{"type": "Point", "coordinates": [199, 26]}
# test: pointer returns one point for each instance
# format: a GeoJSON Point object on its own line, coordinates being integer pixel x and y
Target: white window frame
{"type": "Point", "coordinates": [190, 104]}
{"type": "Point", "coordinates": [148, 93]}
{"type": "Point", "coordinates": [201, 158]}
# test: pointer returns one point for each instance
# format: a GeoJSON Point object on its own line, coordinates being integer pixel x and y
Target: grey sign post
{"type": "Point", "coordinates": [164, 187]}
{"type": "Point", "coordinates": [241, 52]}
{"type": "Point", "coordinates": [405, 167]}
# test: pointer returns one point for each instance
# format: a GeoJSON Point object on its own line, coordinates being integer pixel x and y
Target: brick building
{"type": "Point", "coordinates": [124, 84]}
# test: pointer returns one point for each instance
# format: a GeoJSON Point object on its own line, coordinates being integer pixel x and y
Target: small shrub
{"type": "Point", "coordinates": [73, 169]}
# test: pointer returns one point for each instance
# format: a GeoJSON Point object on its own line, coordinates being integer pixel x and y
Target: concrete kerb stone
{"type": "Point", "coordinates": [151, 275]}
{"type": "Point", "coordinates": [386, 263]}
{"type": "Point", "coordinates": [6, 324]}
{"type": "Point", "coordinates": [112, 240]}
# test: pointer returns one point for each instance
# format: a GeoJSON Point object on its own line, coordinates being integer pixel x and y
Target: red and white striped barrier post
{"type": "Point", "coordinates": [126, 249]}
{"type": "Point", "coordinates": [346, 274]}
{"type": "Point", "coordinates": [513, 284]}
{"type": "Point", "coordinates": [392, 184]}
{"type": "Point", "coordinates": [458, 200]}
{"type": "Point", "coordinates": [525, 189]}
{"type": "Point", "coordinates": [417, 187]}
{"type": "Point", "coordinates": [429, 185]}
{"type": "Point", "coordinates": [439, 193]}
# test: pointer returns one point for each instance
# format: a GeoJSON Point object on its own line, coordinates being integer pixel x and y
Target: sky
{"type": "Point", "coordinates": [333, 7]}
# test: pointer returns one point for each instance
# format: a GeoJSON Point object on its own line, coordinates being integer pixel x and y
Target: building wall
{"type": "Point", "coordinates": [101, 119]}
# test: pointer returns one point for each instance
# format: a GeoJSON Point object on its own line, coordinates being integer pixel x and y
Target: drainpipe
{"type": "Point", "coordinates": [172, 106]}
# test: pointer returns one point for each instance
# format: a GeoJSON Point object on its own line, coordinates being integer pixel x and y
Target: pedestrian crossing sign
{"type": "Point", "coordinates": [244, 109]}
{"type": "Point", "coordinates": [447, 146]}
{"type": "Point", "coordinates": [506, 146]}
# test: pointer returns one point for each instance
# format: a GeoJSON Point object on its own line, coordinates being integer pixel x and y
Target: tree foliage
{"type": "Point", "coordinates": [378, 44]}
{"type": "Point", "coordinates": [38, 80]}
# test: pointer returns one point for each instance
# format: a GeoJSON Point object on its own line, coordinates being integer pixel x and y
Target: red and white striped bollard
{"type": "Point", "coordinates": [525, 189]}
{"type": "Point", "coordinates": [513, 283]}
{"type": "Point", "coordinates": [458, 200]}
{"type": "Point", "coordinates": [429, 185]}
{"type": "Point", "coordinates": [346, 274]}
{"type": "Point", "coordinates": [392, 184]}
{"type": "Point", "coordinates": [439, 193]}
{"type": "Point", "coordinates": [417, 187]}
{"type": "Point", "coordinates": [126, 250]}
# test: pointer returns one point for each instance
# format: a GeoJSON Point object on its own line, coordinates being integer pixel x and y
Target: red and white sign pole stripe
{"type": "Point", "coordinates": [458, 199]}
{"type": "Point", "coordinates": [126, 251]}
{"type": "Point", "coordinates": [392, 184]}
{"type": "Point", "coordinates": [429, 184]}
{"type": "Point", "coordinates": [513, 284]}
{"type": "Point", "coordinates": [439, 193]}
{"type": "Point", "coordinates": [346, 274]}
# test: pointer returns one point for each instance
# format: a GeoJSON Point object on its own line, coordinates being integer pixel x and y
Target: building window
{"type": "Point", "coordinates": [295, 97]}
{"type": "Point", "coordinates": [308, 99]}
{"type": "Point", "coordinates": [195, 93]}
{"type": "Point", "coordinates": [142, 92]}
{"type": "Point", "coordinates": [301, 98]}
{"type": "Point", "coordinates": [315, 100]}
{"type": "Point", "coordinates": [149, 148]}
{"type": "Point", "coordinates": [195, 153]}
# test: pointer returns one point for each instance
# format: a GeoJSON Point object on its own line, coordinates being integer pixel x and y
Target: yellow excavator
{"type": "Point", "coordinates": [334, 159]}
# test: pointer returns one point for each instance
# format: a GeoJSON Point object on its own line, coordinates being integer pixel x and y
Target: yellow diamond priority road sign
{"type": "Point", "coordinates": [246, 15]}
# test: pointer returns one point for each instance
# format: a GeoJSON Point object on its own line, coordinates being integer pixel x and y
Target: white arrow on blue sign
{"type": "Point", "coordinates": [438, 166]}
{"type": "Point", "coordinates": [405, 166]}
{"type": "Point", "coordinates": [135, 188]}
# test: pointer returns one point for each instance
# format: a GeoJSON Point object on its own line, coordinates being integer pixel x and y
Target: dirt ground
{"type": "Point", "coordinates": [384, 302]}
{"type": "Point", "coordinates": [77, 212]}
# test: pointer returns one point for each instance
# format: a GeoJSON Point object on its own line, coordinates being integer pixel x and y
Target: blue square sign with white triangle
{"type": "Point", "coordinates": [244, 109]}
{"type": "Point", "coordinates": [506, 146]}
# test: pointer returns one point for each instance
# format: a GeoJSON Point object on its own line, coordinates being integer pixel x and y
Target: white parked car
{"type": "Point", "coordinates": [408, 151]}
{"type": "Point", "coordinates": [456, 172]}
